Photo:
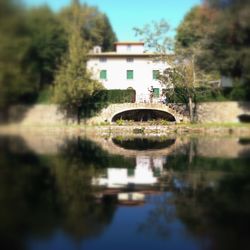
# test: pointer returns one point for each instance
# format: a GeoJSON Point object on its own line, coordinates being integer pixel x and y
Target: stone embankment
{"type": "Point", "coordinates": [49, 115]}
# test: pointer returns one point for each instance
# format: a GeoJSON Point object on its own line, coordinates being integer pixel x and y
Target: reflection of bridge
{"type": "Point", "coordinates": [116, 111]}
{"type": "Point", "coordinates": [112, 147]}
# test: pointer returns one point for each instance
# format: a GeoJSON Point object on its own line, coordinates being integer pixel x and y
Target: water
{"type": "Point", "coordinates": [73, 192]}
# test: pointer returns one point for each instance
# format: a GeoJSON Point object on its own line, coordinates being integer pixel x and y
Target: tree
{"type": "Point", "coordinates": [94, 28]}
{"type": "Point", "coordinates": [182, 78]}
{"type": "Point", "coordinates": [17, 80]}
{"type": "Point", "coordinates": [192, 36]}
{"type": "Point", "coordinates": [48, 43]}
{"type": "Point", "coordinates": [74, 86]}
{"type": "Point", "coordinates": [229, 43]}
{"type": "Point", "coordinates": [221, 31]}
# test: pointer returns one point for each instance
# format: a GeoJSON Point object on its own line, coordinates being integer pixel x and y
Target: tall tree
{"type": "Point", "coordinates": [182, 79]}
{"type": "Point", "coordinates": [74, 86]}
{"type": "Point", "coordinates": [192, 36]}
{"type": "Point", "coordinates": [222, 32]}
{"type": "Point", "coordinates": [16, 75]}
{"type": "Point", "coordinates": [48, 43]}
{"type": "Point", "coordinates": [95, 26]}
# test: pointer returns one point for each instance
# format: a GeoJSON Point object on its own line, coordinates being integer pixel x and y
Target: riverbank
{"type": "Point", "coordinates": [136, 129]}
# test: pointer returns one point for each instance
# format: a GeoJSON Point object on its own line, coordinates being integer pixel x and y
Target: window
{"type": "Point", "coordinates": [156, 92]}
{"type": "Point", "coordinates": [128, 47]}
{"type": "Point", "coordinates": [103, 74]}
{"type": "Point", "coordinates": [156, 74]}
{"type": "Point", "coordinates": [130, 59]}
{"type": "Point", "coordinates": [103, 59]}
{"type": "Point", "coordinates": [130, 74]}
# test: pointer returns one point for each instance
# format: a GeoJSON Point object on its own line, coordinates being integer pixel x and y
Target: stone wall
{"type": "Point", "coordinates": [221, 111]}
{"type": "Point", "coordinates": [37, 115]}
{"type": "Point", "coordinates": [49, 115]}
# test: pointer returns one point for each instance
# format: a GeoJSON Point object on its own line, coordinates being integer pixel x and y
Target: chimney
{"type": "Point", "coordinates": [97, 49]}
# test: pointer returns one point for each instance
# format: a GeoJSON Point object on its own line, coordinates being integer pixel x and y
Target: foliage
{"type": "Point", "coordinates": [74, 86]}
{"type": "Point", "coordinates": [182, 77]}
{"type": "Point", "coordinates": [94, 28]}
{"type": "Point", "coordinates": [17, 79]}
{"type": "Point", "coordinates": [155, 38]}
{"type": "Point", "coordinates": [120, 122]}
{"type": "Point", "coordinates": [61, 193]}
{"type": "Point", "coordinates": [206, 95]}
{"type": "Point", "coordinates": [104, 97]}
{"type": "Point", "coordinates": [45, 96]}
{"type": "Point", "coordinates": [220, 30]}
{"type": "Point", "coordinates": [120, 95]}
{"type": "Point", "coordinates": [35, 41]}
{"type": "Point", "coordinates": [48, 43]}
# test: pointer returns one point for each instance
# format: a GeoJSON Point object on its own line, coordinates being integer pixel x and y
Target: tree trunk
{"type": "Point", "coordinates": [190, 105]}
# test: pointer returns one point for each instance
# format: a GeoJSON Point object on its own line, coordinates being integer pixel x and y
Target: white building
{"type": "Point", "coordinates": [128, 67]}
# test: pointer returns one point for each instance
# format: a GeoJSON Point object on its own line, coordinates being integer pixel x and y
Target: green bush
{"type": "Point", "coordinates": [120, 122]}
{"type": "Point", "coordinates": [237, 93]}
{"type": "Point", "coordinates": [121, 96]}
{"type": "Point", "coordinates": [118, 95]}
{"type": "Point", "coordinates": [240, 92]}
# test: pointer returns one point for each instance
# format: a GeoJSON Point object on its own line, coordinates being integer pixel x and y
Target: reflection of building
{"type": "Point", "coordinates": [129, 185]}
{"type": "Point", "coordinates": [146, 171]}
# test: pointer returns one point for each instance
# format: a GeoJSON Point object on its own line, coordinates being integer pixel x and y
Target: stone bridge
{"type": "Point", "coordinates": [169, 112]}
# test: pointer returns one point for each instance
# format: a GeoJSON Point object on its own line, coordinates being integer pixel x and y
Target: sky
{"type": "Point", "coordinates": [124, 15]}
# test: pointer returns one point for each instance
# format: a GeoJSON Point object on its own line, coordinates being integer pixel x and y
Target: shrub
{"type": "Point", "coordinates": [118, 95]}
{"type": "Point", "coordinates": [120, 122]}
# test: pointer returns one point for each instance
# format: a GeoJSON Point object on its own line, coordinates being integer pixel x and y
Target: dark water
{"type": "Point", "coordinates": [119, 193]}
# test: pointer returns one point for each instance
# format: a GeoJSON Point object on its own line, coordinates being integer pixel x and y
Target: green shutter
{"type": "Point", "coordinates": [156, 92]}
{"type": "Point", "coordinates": [103, 74]}
{"type": "Point", "coordinates": [130, 74]}
{"type": "Point", "coordinates": [155, 74]}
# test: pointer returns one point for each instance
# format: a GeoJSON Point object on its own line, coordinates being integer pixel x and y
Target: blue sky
{"type": "Point", "coordinates": [126, 14]}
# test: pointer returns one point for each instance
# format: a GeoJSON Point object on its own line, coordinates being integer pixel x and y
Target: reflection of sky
{"type": "Point", "coordinates": [124, 232]}
{"type": "Point", "coordinates": [58, 241]}
{"type": "Point", "coordinates": [179, 184]}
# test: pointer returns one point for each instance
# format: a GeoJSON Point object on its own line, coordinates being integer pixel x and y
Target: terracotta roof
{"type": "Point", "coordinates": [115, 54]}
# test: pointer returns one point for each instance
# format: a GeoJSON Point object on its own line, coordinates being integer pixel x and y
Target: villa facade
{"type": "Point", "coordinates": [129, 66]}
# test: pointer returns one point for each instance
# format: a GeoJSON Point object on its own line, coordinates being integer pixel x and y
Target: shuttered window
{"type": "Point", "coordinates": [156, 92]}
{"type": "Point", "coordinates": [130, 74]}
{"type": "Point", "coordinates": [155, 74]}
{"type": "Point", "coordinates": [103, 74]}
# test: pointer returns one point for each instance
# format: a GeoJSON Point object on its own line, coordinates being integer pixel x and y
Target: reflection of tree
{"type": "Point", "coordinates": [26, 194]}
{"type": "Point", "coordinates": [78, 150]}
{"type": "Point", "coordinates": [74, 169]}
{"type": "Point", "coordinates": [222, 213]}
{"type": "Point", "coordinates": [213, 205]}
{"type": "Point", "coordinates": [41, 194]}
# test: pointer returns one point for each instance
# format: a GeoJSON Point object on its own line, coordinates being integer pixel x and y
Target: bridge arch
{"type": "Point", "coordinates": [142, 144]}
{"type": "Point", "coordinates": [143, 114]}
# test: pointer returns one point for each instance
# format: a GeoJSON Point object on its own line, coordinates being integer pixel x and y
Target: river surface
{"type": "Point", "coordinates": [85, 192]}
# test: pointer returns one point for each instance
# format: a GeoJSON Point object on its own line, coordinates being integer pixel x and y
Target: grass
{"type": "Point", "coordinates": [216, 125]}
